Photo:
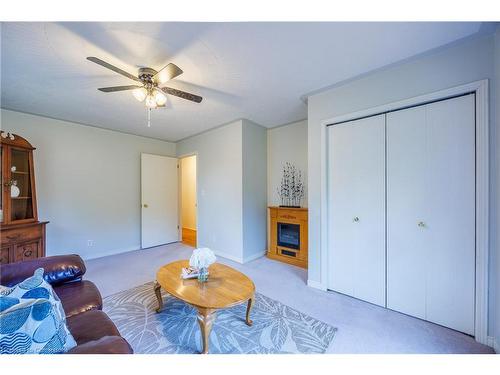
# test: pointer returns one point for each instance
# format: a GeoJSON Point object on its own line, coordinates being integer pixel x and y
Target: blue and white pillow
{"type": "Point", "coordinates": [32, 319]}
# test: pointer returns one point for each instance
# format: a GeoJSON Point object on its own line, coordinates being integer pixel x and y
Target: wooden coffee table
{"type": "Point", "coordinates": [225, 287]}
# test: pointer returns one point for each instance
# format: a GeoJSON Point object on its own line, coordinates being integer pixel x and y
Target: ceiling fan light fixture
{"type": "Point", "coordinates": [140, 94]}
{"type": "Point", "coordinates": [150, 101]}
{"type": "Point", "coordinates": [160, 98]}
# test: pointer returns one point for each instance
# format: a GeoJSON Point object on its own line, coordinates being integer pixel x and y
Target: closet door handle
{"type": "Point", "coordinates": [356, 219]}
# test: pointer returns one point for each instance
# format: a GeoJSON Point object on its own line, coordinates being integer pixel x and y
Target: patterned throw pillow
{"type": "Point", "coordinates": [4, 290]}
{"type": "Point", "coordinates": [32, 319]}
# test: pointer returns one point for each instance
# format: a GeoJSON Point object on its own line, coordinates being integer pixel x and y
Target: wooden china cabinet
{"type": "Point", "coordinates": [22, 235]}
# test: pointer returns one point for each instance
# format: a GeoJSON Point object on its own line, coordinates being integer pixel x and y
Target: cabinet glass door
{"type": "Point", "coordinates": [21, 200]}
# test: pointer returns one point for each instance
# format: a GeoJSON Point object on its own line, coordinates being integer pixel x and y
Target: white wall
{"type": "Point", "coordinates": [87, 182]}
{"type": "Point", "coordinates": [254, 190]}
{"type": "Point", "coordinates": [231, 166]}
{"type": "Point", "coordinates": [188, 192]}
{"type": "Point", "coordinates": [285, 144]}
{"type": "Point", "coordinates": [495, 235]}
{"type": "Point", "coordinates": [469, 61]}
{"type": "Point", "coordinates": [219, 190]}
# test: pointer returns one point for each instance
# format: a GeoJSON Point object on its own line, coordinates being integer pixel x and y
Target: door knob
{"type": "Point", "coordinates": [145, 206]}
{"type": "Point", "coordinates": [421, 224]}
{"type": "Point", "coordinates": [356, 219]}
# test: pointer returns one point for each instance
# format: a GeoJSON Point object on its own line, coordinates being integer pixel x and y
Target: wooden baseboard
{"type": "Point", "coordinates": [189, 237]}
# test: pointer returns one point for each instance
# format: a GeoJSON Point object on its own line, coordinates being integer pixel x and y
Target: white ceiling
{"type": "Point", "coordinates": [257, 71]}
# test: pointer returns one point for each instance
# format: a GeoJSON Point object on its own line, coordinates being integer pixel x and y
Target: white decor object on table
{"type": "Point", "coordinates": [201, 259]}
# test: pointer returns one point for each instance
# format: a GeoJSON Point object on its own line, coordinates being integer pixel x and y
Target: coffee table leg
{"type": "Point", "coordinates": [249, 321]}
{"type": "Point", "coordinates": [205, 319]}
{"type": "Point", "coordinates": [157, 289]}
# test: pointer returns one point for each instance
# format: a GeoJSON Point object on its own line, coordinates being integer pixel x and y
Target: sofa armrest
{"type": "Point", "coordinates": [58, 269]}
{"type": "Point", "coordinates": [105, 345]}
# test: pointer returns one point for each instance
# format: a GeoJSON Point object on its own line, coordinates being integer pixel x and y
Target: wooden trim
{"type": "Point", "coordinates": [18, 141]}
{"type": "Point", "coordinates": [289, 208]}
{"type": "Point", "coordinates": [23, 225]}
{"type": "Point", "coordinates": [480, 88]}
{"type": "Point", "coordinates": [33, 186]}
{"type": "Point", "coordinates": [189, 237]}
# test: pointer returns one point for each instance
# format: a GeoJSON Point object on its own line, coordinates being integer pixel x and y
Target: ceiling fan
{"type": "Point", "coordinates": [148, 90]}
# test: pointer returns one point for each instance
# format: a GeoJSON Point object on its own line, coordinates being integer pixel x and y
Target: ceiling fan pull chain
{"type": "Point", "coordinates": [149, 117]}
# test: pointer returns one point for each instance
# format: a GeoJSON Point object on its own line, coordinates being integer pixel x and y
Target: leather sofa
{"type": "Point", "coordinates": [92, 329]}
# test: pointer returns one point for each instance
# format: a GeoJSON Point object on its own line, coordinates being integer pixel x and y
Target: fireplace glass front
{"type": "Point", "coordinates": [289, 235]}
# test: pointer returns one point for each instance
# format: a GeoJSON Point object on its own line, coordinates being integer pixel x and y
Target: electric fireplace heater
{"type": "Point", "coordinates": [289, 235]}
{"type": "Point", "coordinates": [287, 239]}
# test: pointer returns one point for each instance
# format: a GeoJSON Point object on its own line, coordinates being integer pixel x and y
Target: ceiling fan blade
{"type": "Point", "coordinates": [118, 88]}
{"type": "Point", "coordinates": [182, 94]}
{"type": "Point", "coordinates": [167, 73]}
{"type": "Point", "coordinates": [113, 68]}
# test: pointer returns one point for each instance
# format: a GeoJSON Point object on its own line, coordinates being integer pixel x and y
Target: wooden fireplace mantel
{"type": "Point", "coordinates": [287, 215]}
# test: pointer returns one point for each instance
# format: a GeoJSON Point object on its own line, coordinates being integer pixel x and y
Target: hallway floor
{"type": "Point", "coordinates": [362, 327]}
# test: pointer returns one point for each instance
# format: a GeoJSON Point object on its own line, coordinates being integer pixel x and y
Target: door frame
{"type": "Point", "coordinates": [179, 179]}
{"type": "Point", "coordinates": [480, 88]}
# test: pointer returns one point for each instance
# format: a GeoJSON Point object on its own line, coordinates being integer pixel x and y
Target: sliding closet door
{"type": "Point", "coordinates": [431, 212]}
{"type": "Point", "coordinates": [356, 209]}
{"type": "Point", "coordinates": [451, 274]}
{"type": "Point", "coordinates": [407, 191]}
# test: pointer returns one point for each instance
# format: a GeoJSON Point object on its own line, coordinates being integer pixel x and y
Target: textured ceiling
{"type": "Point", "coordinates": [257, 71]}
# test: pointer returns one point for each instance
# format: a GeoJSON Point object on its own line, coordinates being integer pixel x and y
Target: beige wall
{"type": "Point", "coordinates": [231, 189]}
{"type": "Point", "coordinates": [286, 143]}
{"type": "Point", "coordinates": [188, 192]}
{"type": "Point", "coordinates": [219, 188]}
{"type": "Point", "coordinates": [88, 183]}
{"type": "Point", "coordinates": [254, 140]}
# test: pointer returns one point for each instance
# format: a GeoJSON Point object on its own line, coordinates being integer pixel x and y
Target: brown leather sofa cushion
{"type": "Point", "coordinates": [79, 297]}
{"type": "Point", "coordinates": [90, 326]}
{"type": "Point", "coordinates": [58, 269]}
{"type": "Point", "coordinates": [95, 333]}
{"type": "Point", "coordinates": [105, 345]}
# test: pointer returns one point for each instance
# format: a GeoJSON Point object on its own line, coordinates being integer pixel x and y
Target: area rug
{"type": "Point", "coordinates": [276, 328]}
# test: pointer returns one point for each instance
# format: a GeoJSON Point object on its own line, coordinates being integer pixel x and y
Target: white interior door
{"type": "Point", "coordinates": [431, 212]}
{"type": "Point", "coordinates": [159, 198]}
{"type": "Point", "coordinates": [356, 209]}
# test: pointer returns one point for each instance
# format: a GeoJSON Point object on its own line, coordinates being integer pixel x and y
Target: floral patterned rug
{"type": "Point", "coordinates": [276, 328]}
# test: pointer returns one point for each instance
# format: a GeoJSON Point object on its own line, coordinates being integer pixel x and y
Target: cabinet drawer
{"type": "Point", "coordinates": [5, 255]}
{"type": "Point", "coordinates": [27, 250]}
{"type": "Point", "coordinates": [16, 235]}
